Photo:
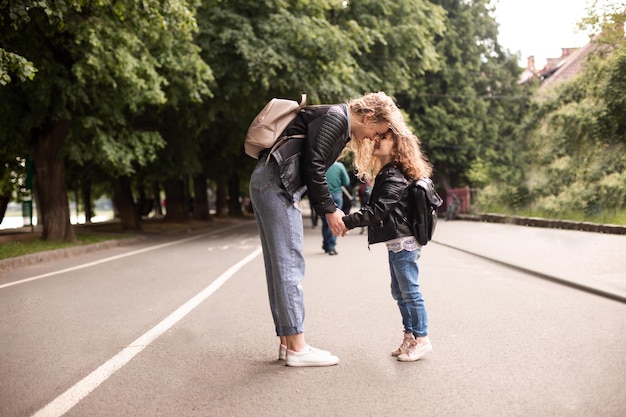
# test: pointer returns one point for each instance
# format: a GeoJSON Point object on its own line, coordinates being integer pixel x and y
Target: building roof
{"type": "Point", "coordinates": [565, 68]}
{"type": "Point", "coordinates": [558, 69]}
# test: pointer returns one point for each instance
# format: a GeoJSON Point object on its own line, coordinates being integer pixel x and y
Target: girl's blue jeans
{"type": "Point", "coordinates": [405, 289]}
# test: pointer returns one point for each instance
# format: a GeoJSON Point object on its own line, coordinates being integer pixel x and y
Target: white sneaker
{"type": "Point", "coordinates": [421, 347]}
{"type": "Point", "coordinates": [310, 356]}
{"type": "Point", "coordinates": [282, 352]}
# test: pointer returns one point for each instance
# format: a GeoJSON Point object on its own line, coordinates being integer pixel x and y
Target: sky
{"type": "Point", "coordinates": [539, 27]}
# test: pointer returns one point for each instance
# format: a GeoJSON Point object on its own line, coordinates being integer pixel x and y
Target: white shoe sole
{"type": "Point", "coordinates": [328, 361]}
{"type": "Point", "coordinates": [311, 357]}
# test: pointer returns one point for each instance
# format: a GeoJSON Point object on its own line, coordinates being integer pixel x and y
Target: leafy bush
{"type": "Point", "coordinates": [575, 146]}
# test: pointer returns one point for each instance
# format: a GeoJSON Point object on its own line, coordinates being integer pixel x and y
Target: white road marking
{"type": "Point", "coordinates": [112, 258]}
{"type": "Point", "coordinates": [63, 403]}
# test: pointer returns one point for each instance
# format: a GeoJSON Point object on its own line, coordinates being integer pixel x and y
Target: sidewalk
{"type": "Point", "coordinates": [595, 262]}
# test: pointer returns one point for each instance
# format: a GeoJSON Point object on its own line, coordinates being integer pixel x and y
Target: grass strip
{"type": "Point", "coordinates": [35, 245]}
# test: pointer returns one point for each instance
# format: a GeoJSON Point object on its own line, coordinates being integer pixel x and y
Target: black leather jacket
{"type": "Point", "coordinates": [384, 215]}
{"type": "Point", "coordinates": [303, 162]}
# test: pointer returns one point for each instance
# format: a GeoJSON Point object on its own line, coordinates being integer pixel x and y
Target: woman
{"type": "Point", "coordinates": [277, 185]}
{"type": "Point", "coordinates": [395, 159]}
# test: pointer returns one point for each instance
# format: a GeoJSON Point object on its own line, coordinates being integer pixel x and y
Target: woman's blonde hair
{"type": "Point", "coordinates": [407, 154]}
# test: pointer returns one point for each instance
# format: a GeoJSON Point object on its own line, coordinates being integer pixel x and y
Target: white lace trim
{"type": "Point", "coordinates": [403, 243]}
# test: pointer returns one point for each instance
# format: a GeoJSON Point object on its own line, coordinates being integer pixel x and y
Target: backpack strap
{"type": "Point", "coordinates": [279, 142]}
{"type": "Point", "coordinates": [428, 186]}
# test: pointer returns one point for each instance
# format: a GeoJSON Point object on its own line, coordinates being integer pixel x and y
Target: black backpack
{"type": "Point", "coordinates": [422, 204]}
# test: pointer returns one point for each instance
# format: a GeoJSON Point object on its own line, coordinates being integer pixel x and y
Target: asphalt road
{"type": "Point", "coordinates": [181, 327]}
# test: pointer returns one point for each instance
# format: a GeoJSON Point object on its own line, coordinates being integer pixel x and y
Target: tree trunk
{"type": "Point", "coordinates": [45, 147]}
{"type": "Point", "coordinates": [144, 205]}
{"type": "Point", "coordinates": [234, 202]}
{"type": "Point", "coordinates": [156, 195]}
{"type": "Point", "coordinates": [444, 180]}
{"type": "Point", "coordinates": [201, 199]}
{"type": "Point", "coordinates": [86, 193]}
{"type": "Point", "coordinates": [4, 203]}
{"type": "Point", "coordinates": [123, 201]}
{"type": "Point", "coordinates": [176, 201]}
{"type": "Point", "coordinates": [221, 199]}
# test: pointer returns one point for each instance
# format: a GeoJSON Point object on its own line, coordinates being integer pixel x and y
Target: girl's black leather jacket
{"type": "Point", "coordinates": [385, 214]}
{"type": "Point", "coordinates": [303, 162]}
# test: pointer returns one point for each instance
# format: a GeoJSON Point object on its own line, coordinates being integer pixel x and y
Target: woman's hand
{"type": "Point", "coordinates": [335, 223]}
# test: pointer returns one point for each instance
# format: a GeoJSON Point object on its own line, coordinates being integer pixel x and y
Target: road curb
{"type": "Point", "coordinates": [547, 223]}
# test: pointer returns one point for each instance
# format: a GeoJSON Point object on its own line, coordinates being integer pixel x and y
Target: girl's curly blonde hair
{"type": "Point", "coordinates": [407, 153]}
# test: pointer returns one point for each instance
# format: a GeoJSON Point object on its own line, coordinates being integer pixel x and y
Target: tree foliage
{"type": "Point", "coordinates": [465, 112]}
{"type": "Point", "coordinates": [135, 94]}
{"type": "Point", "coordinates": [100, 66]}
{"type": "Point", "coordinates": [328, 49]}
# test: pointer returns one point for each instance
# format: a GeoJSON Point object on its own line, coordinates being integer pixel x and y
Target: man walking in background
{"type": "Point", "coordinates": [336, 177]}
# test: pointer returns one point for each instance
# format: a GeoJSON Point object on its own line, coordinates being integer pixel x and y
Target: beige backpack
{"type": "Point", "coordinates": [267, 127]}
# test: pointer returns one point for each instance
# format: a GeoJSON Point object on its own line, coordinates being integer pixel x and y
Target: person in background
{"type": "Point", "coordinates": [314, 216]}
{"type": "Point", "coordinates": [396, 159]}
{"type": "Point", "coordinates": [277, 185]}
{"type": "Point", "coordinates": [336, 177]}
{"type": "Point", "coordinates": [365, 191]}
{"type": "Point", "coordinates": [348, 197]}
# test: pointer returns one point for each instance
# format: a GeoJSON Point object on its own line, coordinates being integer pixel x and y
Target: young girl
{"type": "Point", "coordinates": [395, 159]}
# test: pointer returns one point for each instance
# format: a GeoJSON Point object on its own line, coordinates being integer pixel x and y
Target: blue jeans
{"type": "Point", "coordinates": [405, 289]}
{"type": "Point", "coordinates": [329, 242]}
{"type": "Point", "coordinates": [279, 219]}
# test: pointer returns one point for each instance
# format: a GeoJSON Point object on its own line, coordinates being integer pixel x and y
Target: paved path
{"type": "Point", "coordinates": [181, 327]}
{"type": "Point", "coordinates": [589, 260]}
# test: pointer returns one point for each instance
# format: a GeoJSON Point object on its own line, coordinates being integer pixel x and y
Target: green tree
{"type": "Point", "coordinates": [330, 50]}
{"type": "Point", "coordinates": [133, 93]}
{"type": "Point", "coordinates": [465, 112]}
{"type": "Point", "coordinates": [99, 67]}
